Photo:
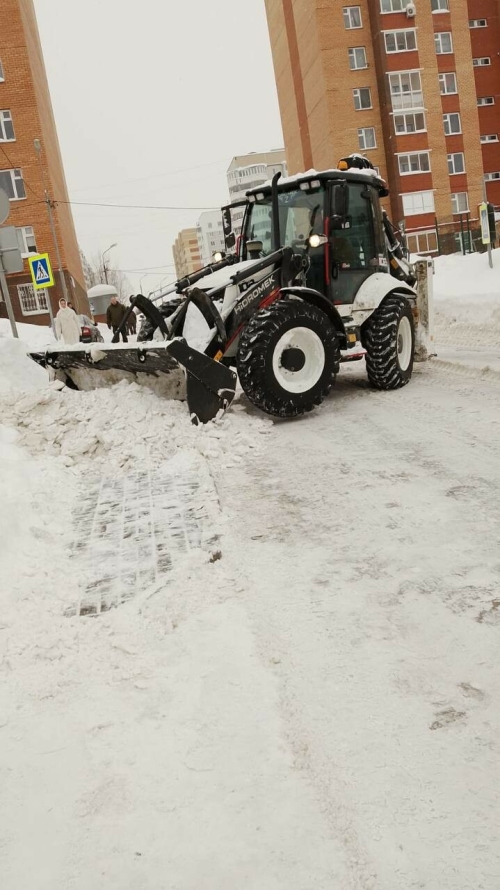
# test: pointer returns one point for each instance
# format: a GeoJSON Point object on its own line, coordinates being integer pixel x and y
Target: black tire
{"type": "Point", "coordinates": [389, 357]}
{"type": "Point", "coordinates": [257, 358]}
{"type": "Point", "coordinates": [148, 328]}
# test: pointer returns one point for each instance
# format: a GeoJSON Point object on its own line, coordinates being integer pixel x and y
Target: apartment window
{"type": "Point", "coordinates": [352, 17]}
{"type": "Point", "coordinates": [11, 181]}
{"type": "Point", "coordinates": [32, 301]}
{"type": "Point", "coordinates": [400, 41]}
{"type": "Point", "coordinates": [406, 90]}
{"type": "Point", "coordinates": [2, 76]}
{"type": "Point", "coordinates": [440, 5]}
{"type": "Point", "coordinates": [409, 123]}
{"type": "Point", "coordinates": [6, 127]}
{"type": "Point", "coordinates": [414, 162]}
{"type": "Point", "coordinates": [422, 242]}
{"type": "Point", "coordinates": [478, 23]}
{"type": "Point", "coordinates": [486, 100]}
{"type": "Point", "coordinates": [482, 62]}
{"type": "Point", "coordinates": [448, 83]}
{"type": "Point", "coordinates": [366, 138]}
{"type": "Point", "coordinates": [460, 202]}
{"type": "Point", "coordinates": [394, 5]}
{"type": "Point", "coordinates": [357, 58]}
{"type": "Point", "coordinates": [452, 124]}
{"type": "Point", "coordinates": [491, 137]}
{"type": "Point", "coordinates": [362, 98]}
{"type": "Point", "coordinates": [456, 163]}
{"type": "Point", "coordinates": [489, 177]}
{"type": "Point", "coordinates": [418, 202]}
{"type": "Point", "coordinates": [443, 42]}
{"type": "Point", "coordinates": [26, 240]}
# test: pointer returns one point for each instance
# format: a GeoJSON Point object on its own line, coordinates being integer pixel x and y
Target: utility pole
{"type": "Point", "coordinates": [50, 205]}
{"type": "Point", "coordinates": [104, 266]}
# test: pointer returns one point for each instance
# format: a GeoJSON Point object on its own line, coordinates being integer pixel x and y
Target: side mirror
{"type": "Point", "coordinates": [341, 200]}
{"type": "Point", "coordinates": [230, 240]}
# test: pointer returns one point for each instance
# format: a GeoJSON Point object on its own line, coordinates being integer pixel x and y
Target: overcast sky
{"type": "Point", "coordinates": [151, 106]}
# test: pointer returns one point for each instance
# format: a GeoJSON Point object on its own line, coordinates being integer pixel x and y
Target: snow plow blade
{"type": "Point", "coordinates": [208, 386]}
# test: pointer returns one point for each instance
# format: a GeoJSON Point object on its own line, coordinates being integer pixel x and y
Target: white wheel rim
{"type": "Point", "coordinates": [404, 343]}
{"type": "Point", "coordinates": [305, 340]}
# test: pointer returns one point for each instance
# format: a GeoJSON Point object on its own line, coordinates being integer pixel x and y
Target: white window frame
{"type": "Point", "coordinates": [452, 163]}
{"type": "Point", "coordinates": [6, 117]}
{"type": "Point", "coordinates": [481, 62]}
{"type": "Point", "coordinates": [406, 115]}
{"type": "Point", "coordinates": [492, 177]}
{"type": "Point", "coordinates": [348, 16]}
{"type": "Point", "coordinates": [394, 6]}
{"type": "Point", "coordinates": [403, 96]}
{"type": "Point", "coordinates": [484, 101]}
{"type": "Point", "coordinates": [478, 23]}
{"type": "Point", "coordinates": [447, 123]}
{"type": "Point", "coordinates": [356, 96]}
{"type": "Point", "coordinates": [423, 234]}
{"type": "Point", "coordinates": [15, 179]}
{"type": "Point", "coordinates": [23, 233]}
{"type": "Point", "coordinates": [425, 198]}
{"type": "Point", "coordinates": [362, 140]}
{"type": "Point", "coordinates": [455, 202]}
{"type": "Point", "coordinates": [443, 83]}
{"type": "Point", "coordinates": [2, 74]}
{"type": "Point", "coordinates": [38, 297]}
{"type": "Point", "coordinates": [352, 53]}
{"type": "Point", "coordinates": [438, 6]}
{"type": "Point", "coordinates": [413, 154]}
{"type": "Point", "coordinates": [438, 43]}
{"type": "Point", "coordinates": [400, 49]}
{"type": "Point", "coordinates": [488, 137]}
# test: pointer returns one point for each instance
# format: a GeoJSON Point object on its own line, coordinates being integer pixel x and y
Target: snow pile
{"type": "Point", "coordinates": [34, 336]}
{"type": "Point", "coordinates": [124, 424]}
{"type": "Point", "coordinates": [18, 372]}
{"type": "Point", "coordinates": [467, 310]}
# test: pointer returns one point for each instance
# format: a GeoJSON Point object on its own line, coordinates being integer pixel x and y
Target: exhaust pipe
{"type": "Point", "coordinates": [276, 211]}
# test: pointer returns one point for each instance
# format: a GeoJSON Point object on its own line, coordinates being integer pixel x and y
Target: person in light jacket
{"type": "Point", "coordinates": [67, 325]}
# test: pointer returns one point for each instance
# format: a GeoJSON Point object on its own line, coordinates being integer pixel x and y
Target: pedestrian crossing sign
{"type": "Point", "coordinates": [41, 271]}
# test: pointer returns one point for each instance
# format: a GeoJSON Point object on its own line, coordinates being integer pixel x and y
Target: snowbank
{"type": "Point", "coordinates": [18, 372]}
{"type": "Point", "coordinates": [467, 302]}
{"type": "Point", "coordinates": [34, 336]}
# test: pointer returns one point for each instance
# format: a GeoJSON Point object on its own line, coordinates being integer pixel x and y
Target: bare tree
{"type": "Point", "coordinates": [94, 274]}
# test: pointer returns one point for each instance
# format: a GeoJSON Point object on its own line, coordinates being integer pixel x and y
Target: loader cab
{"type": "Point", "coordinates": [343, 209]}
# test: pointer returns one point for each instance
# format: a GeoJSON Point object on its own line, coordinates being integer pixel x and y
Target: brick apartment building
{"type": "Point", "coordinates": [186, 251]}
{"type": "Point", "coordinates": [25, 115]}
{"type": "Point", "coordinates": [412, 84]}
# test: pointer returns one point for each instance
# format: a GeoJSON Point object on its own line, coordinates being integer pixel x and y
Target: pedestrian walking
{"type": "Point", "coordinates": [132, 322]}
{"type": "Point", "coordinates": [114, 316]}
{"type": "Point", "coordinates": [67, 325]}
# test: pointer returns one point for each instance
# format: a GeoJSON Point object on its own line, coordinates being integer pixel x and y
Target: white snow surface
{"type": "Point", "coordinates": [255, 654]}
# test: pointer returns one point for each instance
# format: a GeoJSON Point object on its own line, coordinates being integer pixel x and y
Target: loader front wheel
{"type": "Point", "coordinates": [288, 358]}
{"type": "Point", "coordinates": [148, 328]}
{"type": "Point", "coordinates": [389, 340]}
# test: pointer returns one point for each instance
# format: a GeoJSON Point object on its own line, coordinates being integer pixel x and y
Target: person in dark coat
{"type": "Point", "coordinates": [132, 321]}
{"type": "Point", "coordinates": [114, 316]}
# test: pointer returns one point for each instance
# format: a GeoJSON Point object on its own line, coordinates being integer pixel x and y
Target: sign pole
{"type": "Point", "coordinates": [485, 204]}
{"type": "Point", "coordinates": [5, 291]}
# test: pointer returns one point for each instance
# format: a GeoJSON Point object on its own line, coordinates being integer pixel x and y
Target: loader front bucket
{"type": "Point", "coordinates": [171, 367]}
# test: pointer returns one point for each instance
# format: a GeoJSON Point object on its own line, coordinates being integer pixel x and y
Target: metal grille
{"type": "Point", "coordinates": [32, 301]}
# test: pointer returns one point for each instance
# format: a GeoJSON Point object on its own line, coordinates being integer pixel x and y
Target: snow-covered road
{"type": "Point", "coordinates": [254, 654]}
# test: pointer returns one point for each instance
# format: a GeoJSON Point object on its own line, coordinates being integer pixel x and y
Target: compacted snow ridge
{"type": "Point", "coordinates": [255, 654]}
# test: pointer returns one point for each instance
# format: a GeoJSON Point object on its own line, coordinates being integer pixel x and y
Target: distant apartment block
{"type": "Point", "coordinates": [187, 257]}
{"type": "Point", "coordinates": [247, 171]}
{"type": "Point", "coordinates": [210, 235]}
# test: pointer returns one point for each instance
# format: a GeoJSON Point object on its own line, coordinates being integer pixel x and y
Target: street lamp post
{"type": "Point", "coordinates": [49, 205]}
{"type": "Point", "coordinates": [104, 266]}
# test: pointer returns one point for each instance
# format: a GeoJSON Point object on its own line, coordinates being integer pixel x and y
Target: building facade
{"type": "Point", "coordinates": [210, 235]}
{"type": "Point", "coordinates": [248, 171]}
{"type": "Point", "coordinates": [187, 257]}
{"type": "Point", "coordinates": [412, 84]}
{"type": "Point", "coordinates": [25, 174]}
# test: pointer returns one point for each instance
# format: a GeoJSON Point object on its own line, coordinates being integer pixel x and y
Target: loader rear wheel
{"type": "Point", "coordinates": [288, 358]}
{"type": "Point", "coordinates": [389, 340]}
{"type": "Point", "coordinates": [148, 328]}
